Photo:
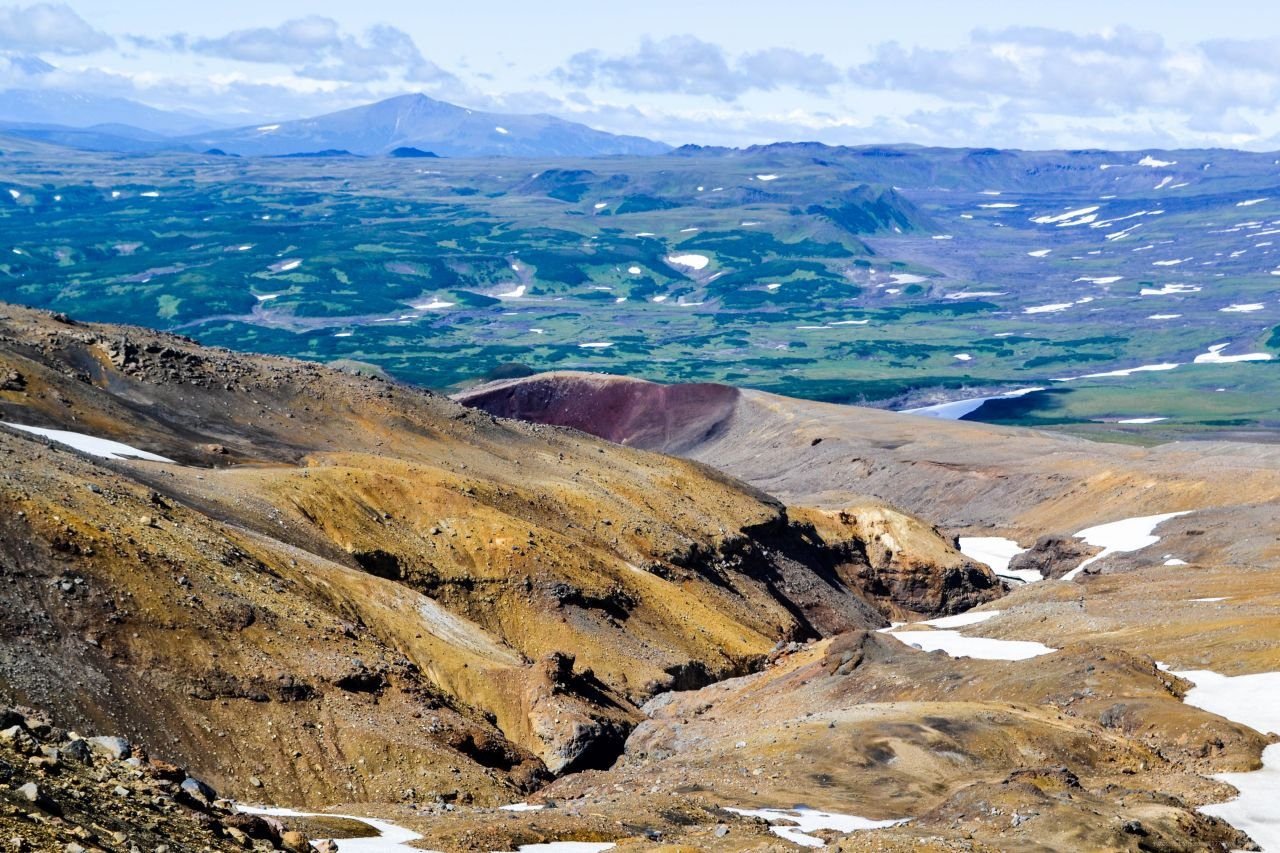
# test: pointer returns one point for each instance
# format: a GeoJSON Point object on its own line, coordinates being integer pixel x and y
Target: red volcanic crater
{"type": "Point", "coordinates": [668, 418]}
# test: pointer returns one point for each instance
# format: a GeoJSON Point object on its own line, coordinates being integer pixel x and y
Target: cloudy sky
{"type": "Point", "coordinates": [1115, 74]}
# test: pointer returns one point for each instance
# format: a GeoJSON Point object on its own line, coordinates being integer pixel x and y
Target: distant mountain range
{"type": "Point", "coordinates": [76, 110]}
{"type": "Point", "coordinates": [379, 129]}
{"type": "Point", "coordinates": [416, 121]}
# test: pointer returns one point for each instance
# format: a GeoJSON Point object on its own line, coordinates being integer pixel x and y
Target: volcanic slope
{"type": "Point", "coordinates": [970, 479]}
{"type": "Point", "coordinates": [352, 590]}
{"type": "Point", "coordinates": [1196, 588]}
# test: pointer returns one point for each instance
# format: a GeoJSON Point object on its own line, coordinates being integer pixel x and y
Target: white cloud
{"type": "Point", "coordinates": [49, 28]}
{"type": "Point", "coordinates": [319, 48]}
{"type": "Point", "coordinates": [1114, 72]}
{"type": "Point", "coordinates": [686, 64]}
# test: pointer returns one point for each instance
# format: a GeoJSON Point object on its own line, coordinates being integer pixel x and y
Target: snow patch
{"type": "Point", "coordinates": [694, 262]}
{"type": "Point", "coordinates": [1051, 219]}
{"type": "Point", "coordinates": [1169, 290]}
{"type": "Point", "coordinates": [1121, 537]}
{"type": "Point", "coordinates": [1048, 309]}
{"type": "Point", "coordinates": [801, 820]}
{"type": "Point", "coordinates": [957, 409]}
{"type": "Point", "coordinates": [387, 837]}
{"type": "Point", "coordinates": [959, 645]}
{"type": "Point", "coordinates": [104, 448]}
{"type": "Point", "coordinates": [1253, 701]}
{"type": "Point", "coordinates": [1215, 356]}
{"type": "Point", "coordinates": [996, 552]}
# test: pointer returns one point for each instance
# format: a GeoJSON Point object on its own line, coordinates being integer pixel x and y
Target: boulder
{"type": "Point", "coordinates": [198, 791]}
{"type": "Point", "coordinates": [1053, 556]}
{"type": "Point", "coordinates": [20, 740]}
{"type": "Point", "coordinates": [295, 842]}
{"type": "Point", "coordinates": [115, 748]}
{"type": "Point", "coordinates": [78, 749]}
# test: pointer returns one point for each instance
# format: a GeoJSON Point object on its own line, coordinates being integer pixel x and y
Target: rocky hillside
{"type": "Point", "coordinates": [351, 590]}
{"type": "Point", "coordinates": [63, 791]}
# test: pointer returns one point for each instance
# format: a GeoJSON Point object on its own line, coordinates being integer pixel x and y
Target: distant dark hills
{"type": "Point", "coordinates": [405, 126]}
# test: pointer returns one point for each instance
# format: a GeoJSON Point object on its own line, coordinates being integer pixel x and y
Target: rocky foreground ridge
{"type": "Point", "coordinates": [70, 793]}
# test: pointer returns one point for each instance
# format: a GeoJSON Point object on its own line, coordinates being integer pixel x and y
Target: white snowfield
{"type": "Point", "coordinates": [944, 638]}
{"type": "Point", "coordinates": [1169, 290]}
{"type": "Point", "coordinates": [996, 552]}
{"type": "Point", "coordinates": [565, 847]}
{"type": "Point", "coordinates": [957, 409]}
{"type": "Point", "coordinates": [960, 620]}
{"type": "Point", "coordinates": [1253, 700]}
{"type": "Point", "coordinates": [1242, 309]}
{"type": "Point", "coordinates": [1048, 309]}
{"type": "Point", "coordinates": [694, 262]}
{"type": "Point", "coordinates": [92, 445]}
{"type": "Point", "coordinates": [387, 837]}
{"type": "Point", "coordinates": [1129, 371]}
{"type": "Point", "coordinates": [1215, 356]}
{"type": "Point", "coordinates": [1156, 164]}
{"type": "Point", "coordinates": [975, 294]}
{"type": "Point", "coordinates": [1121, 537]}
{"type": "Point", "coordinates": [960, 645]}
{"type": "Point", "coordinates": [1053, 219]}
{"type": "Point", "coordinates": [801, 820]}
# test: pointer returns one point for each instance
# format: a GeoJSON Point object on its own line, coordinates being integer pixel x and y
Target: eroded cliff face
{"type": "Point", "coordinates": [352, 590]}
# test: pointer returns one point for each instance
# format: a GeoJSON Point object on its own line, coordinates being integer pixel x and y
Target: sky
{"type": "Point", "coordinates": [1085, 74]}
